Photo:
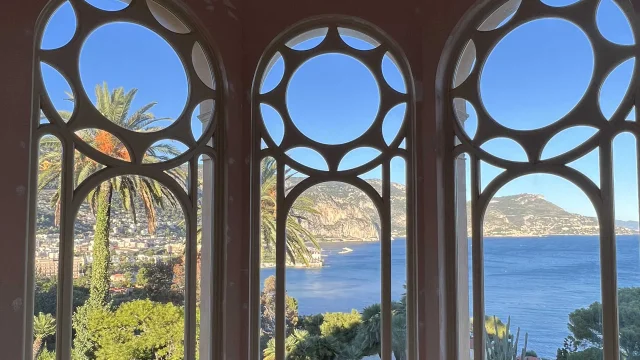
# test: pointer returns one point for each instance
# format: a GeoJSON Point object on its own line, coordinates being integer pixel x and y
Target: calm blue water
{"type": "Point", "coordinates": [536, 281]}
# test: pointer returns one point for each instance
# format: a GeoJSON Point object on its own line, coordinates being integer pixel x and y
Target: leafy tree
{"type": "Point", "coordinates": [47, 355]}
{"type": "Point", "coordinates": [46, 294]}
{"type": "Point", "coordinates": [268, 307]}
{"type": "Point", "coordinates": [297, 237]}
{"type": "Point", "coordinates": [311, 323]}
{"type": "Point", "coordinates": [157, 281]}
{"type": "Point", "coordinates": [115, 106]}
{"type": "Point", "coordinates": [341, 326]}
{"type": "Point", "coordinates": [179, 274]}
{"type": "Point", "coordinates": [585, 324]}
{"type": "Point", "coordinates": [140, 329]}
{"type": "Point", "coordinates": [83, 341]}
{"type": "Point", "coordinates": [127, 282]}
{"type": "Point", "coordinates": [44, 325]}
{"type": "Point", "coordinates": [586, 354]}
{"type": "Point", "coordinates": [300, 345]}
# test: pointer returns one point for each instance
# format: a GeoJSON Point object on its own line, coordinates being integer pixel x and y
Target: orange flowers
{"type": "Point", "coordinates": [110, 145]}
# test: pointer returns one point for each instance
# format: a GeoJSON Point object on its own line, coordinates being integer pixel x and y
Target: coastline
{"type": "Point", "coordinates": [319, 265]}
{"type": "Point", "coordinates": [547, 235]}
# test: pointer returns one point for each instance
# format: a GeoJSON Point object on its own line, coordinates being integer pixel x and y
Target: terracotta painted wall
{"type": "Point", "coordinates": [241, 30]}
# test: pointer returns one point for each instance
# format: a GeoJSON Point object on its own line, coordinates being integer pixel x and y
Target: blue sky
{"type": "Point", "coordinates": [532, 78]}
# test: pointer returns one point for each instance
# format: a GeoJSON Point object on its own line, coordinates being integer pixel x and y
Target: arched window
{"type": "Point", "coordinates": [333, 113]}
{"type": "Point", "coordinates": [128, 179]}
{"type": "Point", "coordinates": [532, 89]}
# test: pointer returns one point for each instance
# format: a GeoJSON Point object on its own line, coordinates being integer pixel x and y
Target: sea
{"type": "Point", "coordinates": [535, 281]}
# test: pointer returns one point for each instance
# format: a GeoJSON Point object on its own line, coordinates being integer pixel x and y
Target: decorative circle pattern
{"type": "Point", "coordinates": [343, 104]}
{"type": "Point", "coordinates": [121, 137]}
{"type": "Point", "coordinates": [543, 72]}
{"type": "Point", "coordinates": [467, 76]}
{"type": "Point", "coordinates": [353, 117]}
{"type": "Point", "coordinates": [332, 127]}
{"type": "Point", "coordinates": [129, 64]}
{"type": "Point", "coordinates": [576, 144]}
{"type": "Point", "coordinates": [165, 21]}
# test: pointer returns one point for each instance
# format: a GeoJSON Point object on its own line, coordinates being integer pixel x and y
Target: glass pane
{"type": "Point", "coordinates": [47, 247]}
{"type": "Point", "coordinates": [130, 232]}
{"type": "Point", "coordinates": [333, 273]}
{"type": "Point", "coordinates": [333, 98]}
{"type": "Point", "coordinates": [462, 166]}
{"type": "Point", "coordinates": [553, 61]}
{"type": "Point", "coordinates": [399, 250]}
{"type": "Point", "coordinates": [625, 167]}
{"type": "Point", "coordinates": [204, 270]}
{"type": "Point", "coordinates": [121, 50]}
{"type": "Point", "coordinates": [541, 263]}
{"type": "Point", "coordinates": [268, 192]}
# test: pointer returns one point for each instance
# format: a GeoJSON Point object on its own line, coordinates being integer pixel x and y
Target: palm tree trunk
{"type": "Point", "coordinates": [99, 289]}
{"type": "Point", "coordinates": [37, 347]}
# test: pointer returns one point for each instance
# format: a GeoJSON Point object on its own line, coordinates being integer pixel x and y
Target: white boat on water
{"type": "Point", "coordinates": [345, 251]}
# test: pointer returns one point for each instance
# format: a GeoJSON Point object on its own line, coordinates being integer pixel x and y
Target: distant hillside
{"type": "Point", "coordinates": [532, 215]}
{"type": "Point", "coordinates": [345, 213]}
{"type": "Point", "coordinates": [628, 224]}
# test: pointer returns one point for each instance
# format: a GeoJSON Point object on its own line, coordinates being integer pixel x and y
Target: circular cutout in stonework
{"type": "Point", "coordinates": [559, 3]}
{"type": "Point", "coordinates": [109, 5]}
{"type": "Point", "coordinates": [59, 91]}
{"type": "Point", "coordinates": [333, 98]}
{"type": "Point", "coordinates": [140, 68]}
{"type": "Point", "coordinates": [60, 28]}
{"type": "Point", "coordinates": [536, 74]}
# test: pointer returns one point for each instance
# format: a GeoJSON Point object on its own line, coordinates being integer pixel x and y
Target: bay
{"type": "Point", "coordinates": [537, 281]}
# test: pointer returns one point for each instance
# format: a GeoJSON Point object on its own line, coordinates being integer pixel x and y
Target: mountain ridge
{"type": "Point", "coordinates": [533, 215]}
{"type": "Point", "coordinates": [346, 214]}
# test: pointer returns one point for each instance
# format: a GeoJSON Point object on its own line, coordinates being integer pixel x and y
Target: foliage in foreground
{"type": "Point", "coordinates": [44, 325]}
{"type": "Point", "coordinates": [140, 329]}
{"type": "Point", "coordinates": [585, 325]}
{"type": "Point", "coordinates": [503, 347]}
{"type": "Point", "coordinates": [331, 336]}
{"type": "Point", "coordinates": [297, 236]}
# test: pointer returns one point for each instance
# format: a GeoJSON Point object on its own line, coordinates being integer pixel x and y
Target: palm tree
{"type": "Point", "coordinates": [43, 325]}
{"type": "Point", "coordinates": [292, 341]}
{"type": "Point", "coordinates": [297, 237]}
{"type": "Point", "coordinates": [115, 106]}
{"type": "Point", "coordinates": [369, 337]}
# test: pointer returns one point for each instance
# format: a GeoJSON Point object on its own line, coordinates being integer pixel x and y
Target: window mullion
{"type": "Point", "coordinates": [65, 267]}
{"type": "Point", "coordinates": [611, 342]}
{"type": "Point", "coordinates": [191, 262]}
{"type": "Point", "coordinates": [385, 242]}
{"type": "Point", "coordinates": [412, 300]}
{"type": "Point", "coordinates": [477, 263]}
{"type": "Point", "coordinates": [281, 245]}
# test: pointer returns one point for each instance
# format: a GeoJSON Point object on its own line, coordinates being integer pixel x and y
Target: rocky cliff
{"type": "Point", "coordinates": [345, 213]}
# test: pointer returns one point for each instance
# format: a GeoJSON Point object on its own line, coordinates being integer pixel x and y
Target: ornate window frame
{"type": "Point", "coordinates": [333, 154]}
{"type": "Point", "coordinates": [483, 25]}
{"type": "Point", "coordinates": [211, 144]}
